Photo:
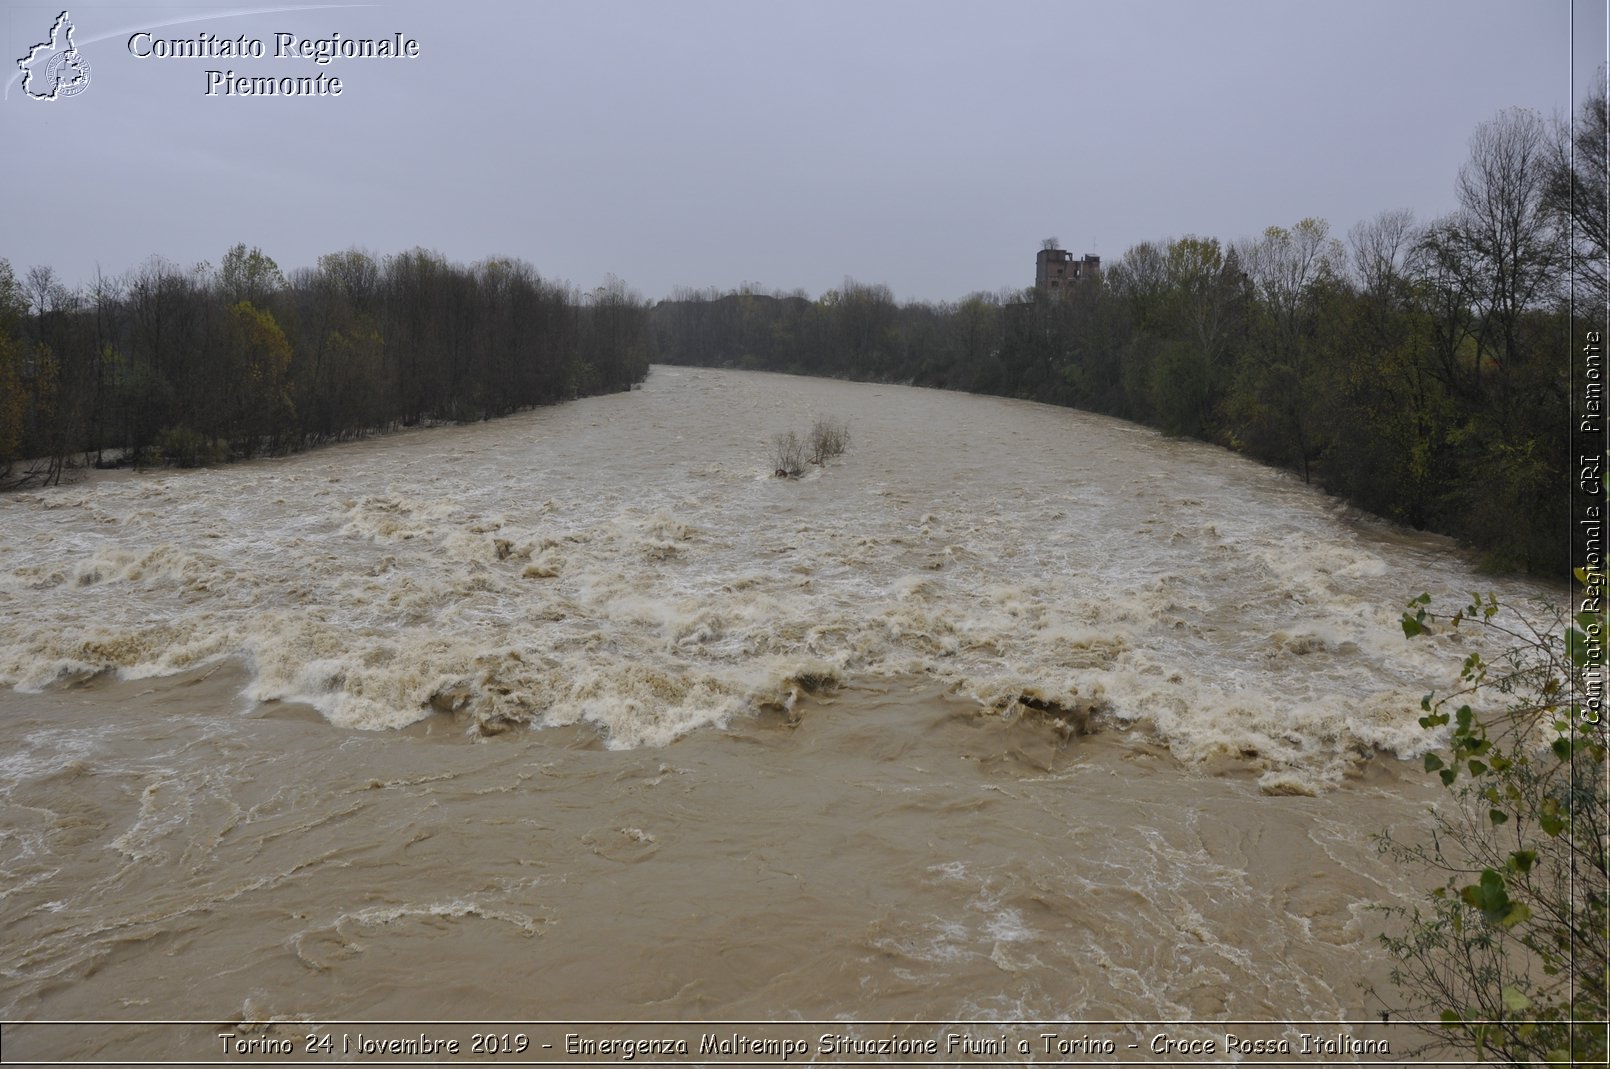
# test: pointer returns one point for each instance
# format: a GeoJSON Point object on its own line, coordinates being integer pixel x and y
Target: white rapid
{"type": "Point", "coordinates": [613, 724]}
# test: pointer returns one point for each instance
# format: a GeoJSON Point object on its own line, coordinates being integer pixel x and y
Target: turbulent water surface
{"type": "Point", "coordinates": [1010, 713]}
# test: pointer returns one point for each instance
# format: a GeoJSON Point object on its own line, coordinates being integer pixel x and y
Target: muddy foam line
{"type": "Point", "coordinates": [625, 563]}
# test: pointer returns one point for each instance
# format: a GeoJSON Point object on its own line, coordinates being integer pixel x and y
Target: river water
{"type": "Point", "coordinates": [1009, 713]}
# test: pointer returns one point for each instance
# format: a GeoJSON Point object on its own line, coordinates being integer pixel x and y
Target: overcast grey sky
{"type": "Point", "coordinates": [926, 145]}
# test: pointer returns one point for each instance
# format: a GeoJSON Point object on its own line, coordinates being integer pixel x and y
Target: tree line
{"type": "Point", "coordinates": [1420, 370]}
{"type": "Point", "coordinates": [194, 365]}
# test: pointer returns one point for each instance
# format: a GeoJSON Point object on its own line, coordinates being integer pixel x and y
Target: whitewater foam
{"type": "Point", "coordinates": [625, 563]}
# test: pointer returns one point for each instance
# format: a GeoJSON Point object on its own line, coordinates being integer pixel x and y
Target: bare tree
{"type": "Point", "coordinates": [1496, 260]}
{"type": "Point", "coordinates": [1284, 266]}
{"type": "Point", "coordinates": [1379, 249]}
{"type": "Point", "coordinates": [1578, 190]}
{"type": "Point", "coordinates": [47, 293]}
{"type": "Point", "coordinates": [1504, 226]}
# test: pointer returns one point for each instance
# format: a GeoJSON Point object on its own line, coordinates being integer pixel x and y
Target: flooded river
{"type": "Point", "coordinates": [1010, 713]}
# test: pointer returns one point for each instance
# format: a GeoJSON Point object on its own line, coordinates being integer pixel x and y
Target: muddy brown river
{"type": "Point", "coordinates": [1009, 714]}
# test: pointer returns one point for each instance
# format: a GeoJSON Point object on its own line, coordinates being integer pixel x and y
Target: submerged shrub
{"type": "Point", "coordinates": [787, 455]}
{"type": "Point", "coordinates": [829, 438]}
{"type": "Point", "coordinates": [790, 453]}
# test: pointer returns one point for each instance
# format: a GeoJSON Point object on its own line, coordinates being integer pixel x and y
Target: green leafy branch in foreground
{"type": "Point", "coordinates": [1510, 951]}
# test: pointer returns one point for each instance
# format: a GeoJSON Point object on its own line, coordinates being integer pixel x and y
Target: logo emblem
{"type": "Point", "coordinates": [53, 69]}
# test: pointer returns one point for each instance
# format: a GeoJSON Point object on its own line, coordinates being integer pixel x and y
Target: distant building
{"type": "Point", "coordinates": [1055, 269]}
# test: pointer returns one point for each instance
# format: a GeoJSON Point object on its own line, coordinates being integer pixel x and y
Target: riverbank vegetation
{"type": "Point", "coordinates": [1421, 370]}
{"type": "Point", "coordinates": [197, 365]}
{"type": "Point", "coordinates": [1418, 369]}
{"type": "Point", "coordinates": [1509, 959]}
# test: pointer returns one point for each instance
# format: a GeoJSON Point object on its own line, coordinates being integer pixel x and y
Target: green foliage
{"type": "Point", "coordinates": [14, 405]}
{"type": "Point", "coordinates": [187, 448]}
{"type": "Point", "coordinates": [1182, 390]}
{"type": "Point", "coordinates": [13, 302]}
{"type": "Point", "coordinates": [249, 275]}
{"type": "Point", "coordinates": [1509, 953]}
{"type": "Point", "coordinates": [263, 360]}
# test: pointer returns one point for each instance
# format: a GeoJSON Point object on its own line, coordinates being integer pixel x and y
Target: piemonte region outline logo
{"type": "Point", "coordinates": [53, 69]}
